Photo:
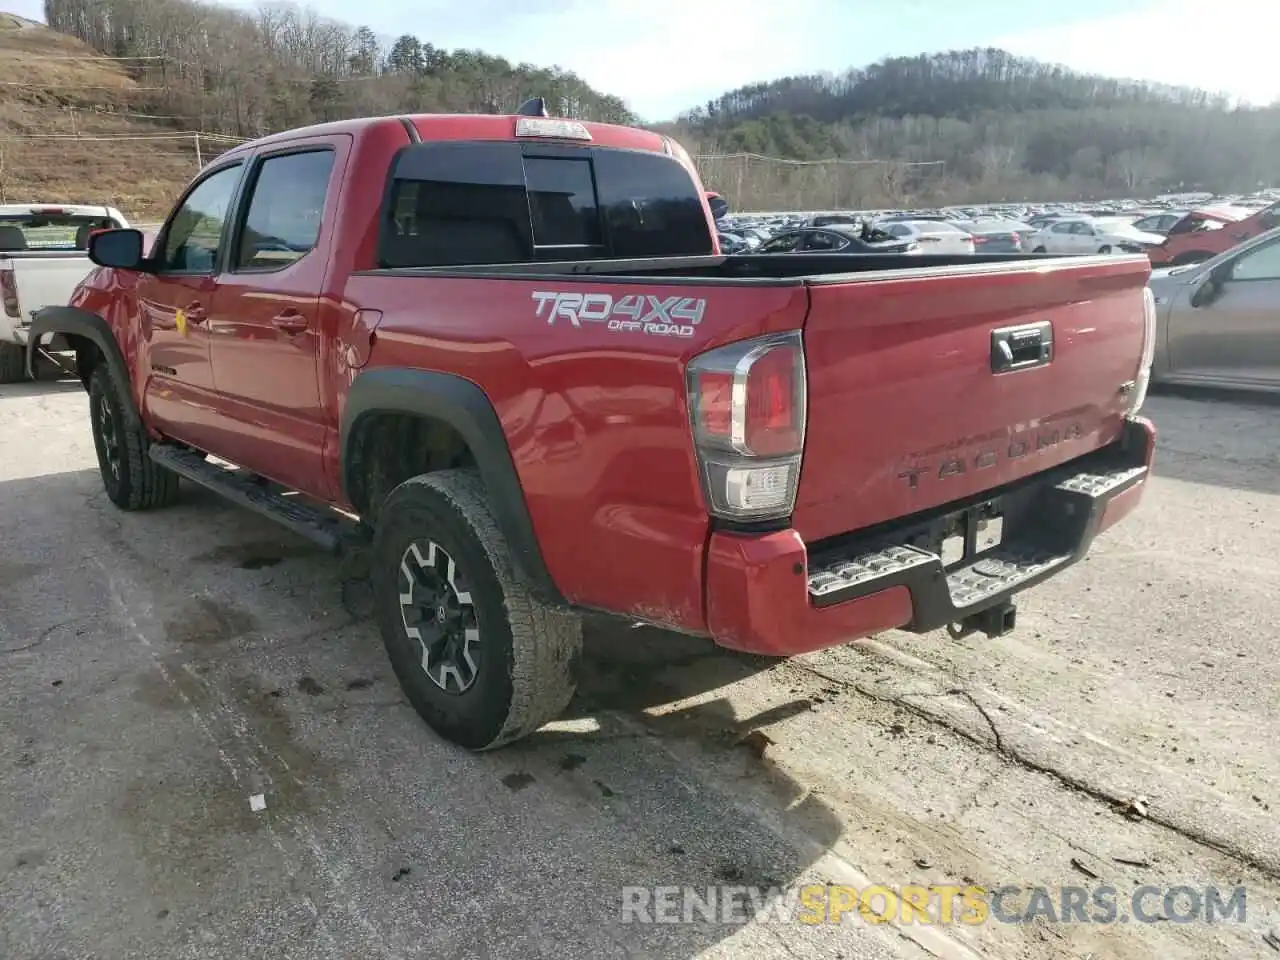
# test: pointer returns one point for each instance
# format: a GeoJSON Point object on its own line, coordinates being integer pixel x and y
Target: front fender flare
{"type": "Point", "coordinates": [466, 408]}
{"type": "Point", "coordinates": [74, 321]}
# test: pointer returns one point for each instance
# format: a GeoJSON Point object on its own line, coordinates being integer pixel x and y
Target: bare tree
{"type": "Point", "coordinates": [247, 73]}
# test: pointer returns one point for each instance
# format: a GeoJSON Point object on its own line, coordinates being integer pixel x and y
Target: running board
{"type": "Point", "coordinates": [321, 526]}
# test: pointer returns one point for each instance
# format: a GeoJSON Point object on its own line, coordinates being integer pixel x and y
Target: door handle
{"type": "Point", "coordinates": [290, 322]}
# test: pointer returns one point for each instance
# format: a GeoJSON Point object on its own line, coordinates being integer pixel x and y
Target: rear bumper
{"type": "Point", "coordinates": [771, 594]}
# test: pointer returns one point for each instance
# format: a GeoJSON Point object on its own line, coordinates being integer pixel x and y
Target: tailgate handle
{"type": "Point", "coordinates": [1018, 348]}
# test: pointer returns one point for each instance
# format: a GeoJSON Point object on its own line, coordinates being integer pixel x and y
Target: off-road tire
{"type": "Point", "coordinates": [13, 363]}
{"type": "Point", "coordinates": [528, 649]}
{"type": "Point", "coordinates": [137, 482]}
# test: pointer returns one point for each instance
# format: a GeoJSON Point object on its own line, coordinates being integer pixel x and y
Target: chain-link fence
{"type": "Point", "coordinates": [749, 181]}
{"type": "Point", "coordinates": [140, 175]}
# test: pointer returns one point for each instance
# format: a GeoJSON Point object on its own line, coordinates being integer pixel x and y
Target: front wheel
{"type": "Point", "coordinates": [482, 660]}
{"type": "Point", "coordinates": [133, 480]}
{"type": "Point", "coordinates": [1039, 250]}
{"type": "Point", "coordinates": [1105, 248]}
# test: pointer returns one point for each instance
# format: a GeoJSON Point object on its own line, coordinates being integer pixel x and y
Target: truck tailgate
{"type": "Point", "coordinates": [44, 281]}
{"type": "Point", "coordinates": [908, 406]}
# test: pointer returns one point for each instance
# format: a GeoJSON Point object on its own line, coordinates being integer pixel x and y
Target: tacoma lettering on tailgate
{"type": "Point", "coordinates": [634, 313]}
{"type": "Point", "coordinates": [955, 464]}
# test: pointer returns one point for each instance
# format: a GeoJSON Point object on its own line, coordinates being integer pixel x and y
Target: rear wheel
{"type": "Point", "coordinates": [1105, 248]}
{"type": "Point", "coordinates": [1039, 250]}
{"type": "Point", "coordinates": [13, 363]}
{"type": "Point", "coordinates": [482, 660]}
{"type": "Point", "coordinates": [133, 480]}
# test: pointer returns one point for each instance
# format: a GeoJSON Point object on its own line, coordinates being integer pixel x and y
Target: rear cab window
{"type": "Point", "coordinates": [51, 229]}
{"type": "Point", "coordinates": [476, 203]}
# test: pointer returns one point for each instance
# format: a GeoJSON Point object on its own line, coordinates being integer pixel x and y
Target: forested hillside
{"type": "Point", "coordinates": [965, 126]}
{"type": "Point", "coordinates": [229, 71]}
{"type": "Point", "coordinates": [985, 125]}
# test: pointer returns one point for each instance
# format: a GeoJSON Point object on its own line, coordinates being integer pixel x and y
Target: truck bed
{"type": "Point", "coordinates": [770, 269]}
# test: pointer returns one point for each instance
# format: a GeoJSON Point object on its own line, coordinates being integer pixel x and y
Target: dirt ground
{"type": "Point", "coordinates": [159, 670]}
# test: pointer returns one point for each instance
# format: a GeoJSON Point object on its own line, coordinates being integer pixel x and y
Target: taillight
{"type": "Point", "coordinates": [1150, 324]}
{"type": "Point", "coordinates": [747, 409]}
{"type": "Point", "coordinates": [978, 241]}
{"type": "Point", "coordinates": [9, 293]}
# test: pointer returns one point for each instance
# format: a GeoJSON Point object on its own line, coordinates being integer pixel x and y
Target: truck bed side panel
{"type": "Point", "coordinates": [595, 418]}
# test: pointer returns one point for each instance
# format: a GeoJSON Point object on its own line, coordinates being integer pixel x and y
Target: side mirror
{"type": "Point", "coordinates": [1210, 284]}
{"type": "Point", "coordinates": [121, 249]}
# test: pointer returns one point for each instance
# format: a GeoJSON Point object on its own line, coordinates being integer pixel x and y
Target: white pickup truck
{"type": "Point", "coordinates": [43, 256]}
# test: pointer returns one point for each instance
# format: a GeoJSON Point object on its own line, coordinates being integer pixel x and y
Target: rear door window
{"type": "Point", "coordinates": [286, 204]}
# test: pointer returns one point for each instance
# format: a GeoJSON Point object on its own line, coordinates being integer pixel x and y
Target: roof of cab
{"type": "Point", "coordinates": [460, 126]}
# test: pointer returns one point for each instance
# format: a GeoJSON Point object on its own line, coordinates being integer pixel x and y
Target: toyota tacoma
{"type": "Point", "coordinates": [504, 357]}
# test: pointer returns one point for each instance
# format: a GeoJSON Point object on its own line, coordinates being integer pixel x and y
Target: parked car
{"type": "Point", "coordinates": [1193, 240]}
{"type": "Point", "coordinates": [933, 236]}
{"type": "Point", "coordinates": [508, 345]}
{"type": "Point", "coordinates": [1219, 320]}
{"type": "Point", "coordinates": [1089, 235]}
{"type": "Point", "coordinates": [836, 239]}
{"type": "Point", "coordinates": [1042, 220]}
{"type": "Point", "coordinates": [835, 219]}
{"type": "Point", "coordinates": [1160, 223]}
{"type": "Point", "coordinates": [43, 255]}
{"type": "Point", "coordinates": [996, 236]}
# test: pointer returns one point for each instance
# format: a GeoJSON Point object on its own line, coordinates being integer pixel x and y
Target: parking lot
{"type": "Point", "coordinates": [158, 670]}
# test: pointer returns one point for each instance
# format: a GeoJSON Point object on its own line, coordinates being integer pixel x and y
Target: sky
{"type": "Point", "coordinates": [664, 56]}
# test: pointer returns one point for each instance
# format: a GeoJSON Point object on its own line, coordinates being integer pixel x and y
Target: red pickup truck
{"type": "Point", "coordinates": [509, 348]}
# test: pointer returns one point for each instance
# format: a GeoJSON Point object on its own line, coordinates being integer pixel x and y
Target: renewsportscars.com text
{"type": "Point", "coordinates": [935, 904]}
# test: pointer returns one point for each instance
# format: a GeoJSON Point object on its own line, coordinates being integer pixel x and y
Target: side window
{"type": "Point", "coordinates": [780, 244]}
{"type": "Point", "coordinates": [898, 230]}
{"type": "Point", "coordinates": [194, 234]}
{"type": "Point", "coordinates": [562, 202]}
{"type": "Point", "coordinates": [1062, 227]}
{"type": "Point", "coordinates": [286, 204]}
{"type": "Point", "coordinates": [819, 241]}
{"type": "Point", "coordinates": [1260, 264]}
{"type": "Point", "coordinates": [1082, 229]}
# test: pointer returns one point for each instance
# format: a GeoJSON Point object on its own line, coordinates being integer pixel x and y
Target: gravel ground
{"type": "Point", "coordinates": [159, 670]}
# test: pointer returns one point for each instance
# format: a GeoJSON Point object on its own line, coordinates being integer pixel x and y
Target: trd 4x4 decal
{"type": "Point", "coordinates": [634, 313]}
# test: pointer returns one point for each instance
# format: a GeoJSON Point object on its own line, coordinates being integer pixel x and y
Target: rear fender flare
{"type": "Point", "coordinates": [465, 407]}
{"type": "Point", "coordinates": [74, 321]}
